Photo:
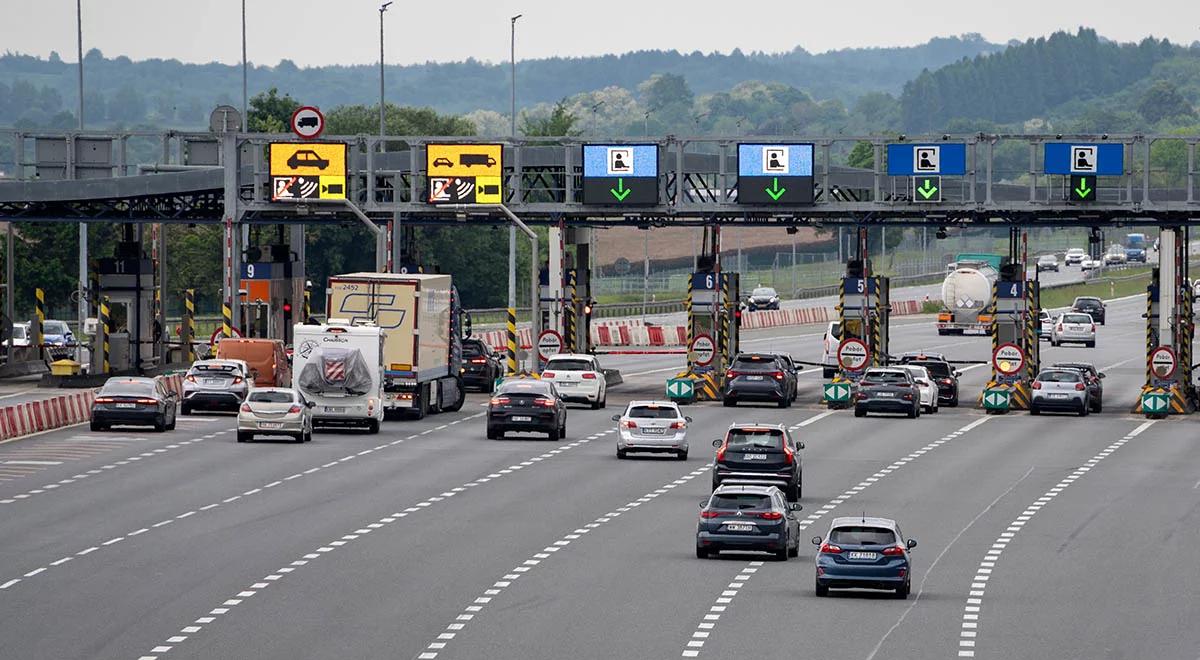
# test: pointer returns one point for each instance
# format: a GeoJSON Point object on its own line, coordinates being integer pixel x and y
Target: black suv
{"type": "Point", "coordinates": [944, 375]}
{"type": "Point", "coordinates": [1091, 378]}
{"type": "Point", "coordinates": [760, 377]}
{"type": "Point", "coordinates": [888, 390]}
{"type": "Point", "coordinates": [1091, 306]}
{"type": "Point", "coordinates": [480, 365]}
{"type": "Point", "coordinates": [761, 454]}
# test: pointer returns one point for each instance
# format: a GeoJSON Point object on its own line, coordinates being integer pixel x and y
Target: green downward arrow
{"type": "Point", "coordinates": [927, 189]}
{"type": "Point", "coordinates": [1083, 190]}
{"type": "Point", "coordinates": [621, 192]}
{"type": "Point", "coordinates": [775, 191]}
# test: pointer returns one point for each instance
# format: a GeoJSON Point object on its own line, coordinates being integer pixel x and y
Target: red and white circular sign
{"type": "Point", "coordinates": [549, 344]}
{"type": "Point", "coordinates": [1163, 361]}
{"type": "Point", "coordinates": [853, 354]}
{"type": "Point", "coordinates": [703, 349]}
{"type": "Point", "coordinates": [308, 122]}
{"type": "Point", "coordinates": [217, 336]}
{"type": "Point", "coordinates": [1008, 359]}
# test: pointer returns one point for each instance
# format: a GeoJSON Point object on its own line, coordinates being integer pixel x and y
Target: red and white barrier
{"type": "Point", "coordinates": [35, 416]}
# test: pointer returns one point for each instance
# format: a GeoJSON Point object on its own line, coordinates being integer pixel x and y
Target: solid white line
{"type": "Point", "coordinates": [814, 418]}
{"type": "Point", "coordinates": [33, 462]}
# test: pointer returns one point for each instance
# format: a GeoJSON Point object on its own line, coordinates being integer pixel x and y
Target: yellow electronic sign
{"type": "Point", "coordinates": [307, 170]}
{"type": "Point", "coordinates": [469, 160]}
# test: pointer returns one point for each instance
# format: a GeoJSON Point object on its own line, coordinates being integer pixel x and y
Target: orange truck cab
{"type": "Point", "coordinates": [266, 357]}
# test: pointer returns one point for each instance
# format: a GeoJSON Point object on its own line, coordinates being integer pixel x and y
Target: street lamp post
{"type": "Point", "coordinates": [512, 229]}
{"type": "Point", "coordinates": [382, 8]}
{"type": "Point", "coordinates": [512, 58]}
{"type": "Point", "coordinates": [245, 118]}
{"type": "Point", "coordinates": [594, 109]}
{"type": "Point", "coordinates": [83, 228]}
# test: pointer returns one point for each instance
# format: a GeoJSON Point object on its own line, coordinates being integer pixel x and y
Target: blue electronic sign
{"type": "Point", "coordinates": [947, 158]}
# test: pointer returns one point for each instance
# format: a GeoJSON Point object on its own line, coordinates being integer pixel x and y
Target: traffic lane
{"type": "Point", "coordinates": [1116, 539]}
{"type": "Point", "coordinates": [640, 587]}
{"type": "Point", "coordinates": [951, 503]}
{"type": "Point", "coordinates": [447, 557]}
{"type": "Point", "coordinates": [202, 561]}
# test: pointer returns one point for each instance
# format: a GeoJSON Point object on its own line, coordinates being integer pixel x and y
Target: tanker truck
{"type": "Point", "coordinates": [967, 294]}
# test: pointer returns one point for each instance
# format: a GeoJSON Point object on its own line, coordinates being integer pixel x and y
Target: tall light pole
{"type": "Point", "coordinates": [513, 63]}
{"type": "Point", "coordinates": [382, 9]}
{"type": "Point", "coordinates": [83, 228]}
{"type": "Point", "coordinates": [512, 229]}
{"type": "Point", "coordinates": [245, 118]}
{"type": "Point", "coordinates": [594, 109]}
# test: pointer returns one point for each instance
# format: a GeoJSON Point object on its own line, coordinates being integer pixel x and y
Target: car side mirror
{"type": "Point", "coordinates": [703, 503]}
{"type": "Point", "coordinates": [1101, 375]}
{"type": "Point", "coordinates": [957, 373]}
{"type": "Point", "coordinates": [800, 445]}
{"type": "Point", "coordinates": [795, 506]}
{"type": "Point", "coordinates": [310, 404]}
{"type": "Point", "coordinates": [616, 418]}
{"type": "Point", "coordinates": [717, 442]}
{"type": "Point", "coordinates": [912, 543]}
{"type": "Point", "coordinates": [816, 540]}
{"type": "Point", "coordinates": [687, 419]}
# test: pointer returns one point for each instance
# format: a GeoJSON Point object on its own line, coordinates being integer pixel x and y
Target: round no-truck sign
{"type": "Point", "coordinates": [1163, 361]}
{"type": "Point", "coordinates": [853, 354]}
{"type": "Point", "coordinates": [1008, 359]}
{"type": "Point", "coordinates": [549, 344]}
{"type": "Point", "coordinates": [307, 122]}
{"type": "Point", "coordinates": [703, 349]}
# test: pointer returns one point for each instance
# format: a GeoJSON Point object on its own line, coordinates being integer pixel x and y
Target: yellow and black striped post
{"type": "Point", "coordinates": [991, 312]}
{"type": "Point", "coordinates": [1150, 340]}
{"type": "Point", "coordinates": [725, 320]}
{"type": "Point", "coordinates": [877, 346]}
{"type": "Point", "coordinates": [511, 361]}
{"type": "Point", "coordinates": [39, 311]}
{"type": "Point", "coordinates": [307, 305]}
{"type": "Point", "coordinates": [569, 333]}
{"type": "Point", "coordinates": [226, 321]}
{"type": "Point", "coordinates": [103, 329]}
{"type": "Point", "coordinates": [188, 332]}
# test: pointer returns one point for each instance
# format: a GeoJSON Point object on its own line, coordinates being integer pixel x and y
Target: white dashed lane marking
{"type": "Point", "coordinates": [341, 542]}
{"type": "Point", "coordinates": [973, 609]}
{"type": "Point", "coordinates": [693, 646]}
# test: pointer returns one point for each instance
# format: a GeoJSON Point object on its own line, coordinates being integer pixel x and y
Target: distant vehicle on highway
{"type": "Point", "coordinates": [748, 518]}
{"type": "Point", "coordinates": [1135, 247]}
{"type": "Point", "coordinates": [763, 297]}
{"type": "Point", "coordinates": [522, 405]}
{"type": "Point", "coordinates": [1074, 256]}
{"type": "Point", "coordinates": [864, 553]}
{"type": "Point", "coordinates": [925, 385]}
{"type": "Point", "coordinates": [763, 454]}
{"type": "Point", "coordinates": [1047, 262]}
{"type": "Point", "coordinates": [1074, 328]}
{"type": "Point", "coordinates": [1115, 256]}
{"type": "Point", "coordinates": [1092, 378]}
{"type": "Point", "coordinates": [760, 377]}
{"type": "Point", "coordinates": [1045, 324]}
{"type": "Point", "coordinates": [1091, 306]}
{"type": "Point", "coordinates": [267, 358]}
{"type": "Point", "coordinates": [829, 359]}
{"type": "Point", "coordinates": [275, 411]}
{"type": "Point", "coordinates": [967, 294]}
{"type": "Point", "coordinates": [20, 335]}
{"type": "Point", "coordinates": [652, 426]}
{"type": "Point", "coordinates": [888, 390]}
{"type": "Point", "coordinates": [307, 158]}
{"type": "Point", "coordinates": [1063, 390]}
{"type": "Point", "coordinates": [215, 385]}
{"type": "Point", "coordinates": [133, 401]}
{"type": "Point", "coordinates": [943, 374]}
{"type": "Point", "coordinates": [481, 366]}
{"type": "Point", "coordinates": [579, 378]}
{"type": "Point", "coordinates": [1089, 263]}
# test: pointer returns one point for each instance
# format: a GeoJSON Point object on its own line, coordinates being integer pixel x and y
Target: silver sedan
{"type": "Point", "coordinates": [275, 411]}
{"type": "Point", "coordinates": [1074, 327]}
{"type": "Point", "coordinates": [652, 426]}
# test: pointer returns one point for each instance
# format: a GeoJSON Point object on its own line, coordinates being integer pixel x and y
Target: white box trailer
{"type": "Point", "coordinates": [339, 368]}
{"type": "Point", "coordinates": [422, 352]}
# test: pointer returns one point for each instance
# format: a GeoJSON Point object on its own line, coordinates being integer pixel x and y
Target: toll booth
{"type": "Point", "coordinates": [1016, 348]}
{"type": "Point", "coordinates": [272, 292]}
{"type": "Point", "coordinates": [864, 312]}
{"type": "Point", "coordinates": [133, 330]}
{"type": "Point", "coordinates": [714, 319]}
{"type": "Point", "coordinates": [1170, 331]}
{"type": "Point", "coordinates": [567, 300]}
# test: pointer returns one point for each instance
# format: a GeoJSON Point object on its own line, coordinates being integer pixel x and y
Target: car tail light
{"type": "Point", "coordinates": [500, 400]}
{"type": "Point", "coordinates": [371, 403]}
{"type": "Point", "coordinates": [865, 383]}
{"type": "Point", "coordinates": [629, 424]}
{"type": "Point", "coordinates": [479, 361]}
{"type": "Point", "coordinates": [892, 551]}
{"type": "Point", "coordinates": [731, 374]}
{"type": "Point", "coordinates": [547, 374]}
{"type": "Point", "coordinates": [788, 455]}
{"type": "Point", "coordinates": [831, 549]}
{"type": "Point", "coordinates": [907, 396]}
{"type": "Point", "coordinates": [190, 379]}
{"type": "Point", "coordinates": [589, 376]}
{"type": "Point", "coordinates": [237, 379]}
{"type": "Point", "coordinates": [778, 375]}
{"type": "Point", "coordinates": [246, 408]}
{"type": "Point", "coordinates": [295, 409]}
{"type": "Point", "coordinates": [1093, 327]}
{"type": "Point", "coordinates": [544, 402]}
{"type": "Point", "coordinates": [771, 515]}
{"type": "Point", "coordinates": [710, 514]}
{"type": "Point", "coordinates": [1037, 384]}
{"type": "Point", "coordinates": [105, 399]}
{"type": "Point", "coordinates": [859, 396]}
{"type": "Point", "coordinates": [947, 381]}
{"type": "Point", "coordinates": [1080, 386]}
{"type": "Point", "coordinates": [148, 402]}
{"type": "Point", "coordinates": [679, 425]}
{"type": "Point", "coordinates": [721, 451]}
{"type": "Point", "coordinates": [1060, 327]}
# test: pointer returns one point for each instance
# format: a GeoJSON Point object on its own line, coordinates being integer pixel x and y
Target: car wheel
{"type": "Point", "coordinates": [185, 410]}
{"type": "Point", "coordinates": [784, 402]}
{"type": "Point", "coordinates": [1083, 410]}
{"type": "Point", "coordinates": [373, 426]}
{"type": "Point", "coordinates": [701, 553]}
{"type": "Point", "coordinates": [782, 554]}
{"type": "Point", "coordinates": [792, 492]}
{"type": "Point", "coordinates": [1091, 344]}
{"type": "Point", "coordinates": [308, 435]}
{"type": "Point", "coordinates": [934, 409]}
{"type": "Point", "coordinates": [860, 412]}
{"type": "Point", "coordinates": [298, 438]}
{"type": "Point", "coordinates": [795, 550]}
{"type": "Point", "coordinates": [1098, 406]}
{"type": "Point", "coordinates": [562, 430]}
{"type": "Point", "coordinates": [552, 434]}
{"type": "Point", "coordinates": [160, 425]}
{"type": "Point", "coordinates": [902, 591]}
{"type": "Point", "coordinates": [1033, 410]}
{"type": "Point", "coordinates": [96, 426]}
{"type": "Point", "coordinates": [489, 386]}
{"type": "Point", "coordinates": [244, 437]}
{"type": "Point", "coordinates": [492, 435]}
{"type": "Point", "coordinates": [953, 402]}
{"type": "Point", "coordinates": [728, 402]}
{"type": "Point", "coordinates": [621, 454]}
{"type": "Point", "coordinates": [822, 590]}
{"type": "Point", "coordinates": [682, 455]}
{"type": "Point", "coordinates": [912, 414]}
{"type": "Point", "coordinates": [604, 400]}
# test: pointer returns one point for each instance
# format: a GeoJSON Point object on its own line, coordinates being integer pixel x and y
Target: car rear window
{"type": "Point", "coordinates": [55, 328]}
{"type": "Point", "coordinates": [524, 387]}
{"type": "Point", "coordinates": [885, 377]}
{"type": "Point", "coordinates": [755, 363]}
{"type": "Point", "coordinates": [739, 501]}
{"type": "Point", "coordinates": [1048, 257]}
{"type": "Point", "coordinates": [126, 388]}
{"type": "Point", "coordinates": [860, 535]}
{"type": "Point", "coordinates": [1063, 376]}
{"type": "Point", "coordinates": [935, 368]}
{"type": "Point", "coordinates": [652, 412]}
{"type": "Point", "coordinates": [569, 365]}
{"type": "Point", "coordinates": [752, 438]}
{"type": "Point", "coordinates": [214, 369]}
{"type": "Point", "coordinates": [835, 329]}
{"type": "Point", "coordinates": [1077, 318]}
{"type": "Point", "coordinates": [272, 396]}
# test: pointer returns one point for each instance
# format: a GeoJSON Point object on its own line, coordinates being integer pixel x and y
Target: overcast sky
{"type": "Point", "coordinates": [346, 31]}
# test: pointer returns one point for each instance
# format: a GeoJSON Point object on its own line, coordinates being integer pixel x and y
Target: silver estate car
{"type": "Point", "coordinates": [1074, 327]}
{"type": "Point", "coordinates": [275, 411]}
{"type": "Point", "coordinates": [1062, 390]}
{"type": "Point", "coordinates": [652, 426]}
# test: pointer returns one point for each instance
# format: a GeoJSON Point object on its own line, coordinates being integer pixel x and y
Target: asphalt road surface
{"type": "Point", "coordinates": [1040, 537]}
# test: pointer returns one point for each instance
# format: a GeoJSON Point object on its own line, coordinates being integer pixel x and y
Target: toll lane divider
{"type": "Point", "coordinates": [57, 412]}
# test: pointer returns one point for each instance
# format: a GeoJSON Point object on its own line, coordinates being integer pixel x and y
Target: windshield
{"type": "Point", "coordinates": [755, 362]}
{"type": "Point", "coordinates": [18, 332]}
{"type": "Point", "coordinates": [1048, 258]}
{"type": "Point", "coordinates": [743, 439]}
{"type": "Point", "coordinates": [569, 365]}
{"type": "Point", "coordinates": [214, 369]}
{"type": "Point", "coordinates": [1062, 376]}
{"type": "Point", "coordinates": [127, 388]}
{"type": "Point", "coordinates": [55, 328]}
{"type": "Point", "coordinates": [835, 329]}
{"type": "Point", "coordinates": [862, 536]}
{"type": "Point", "coordinates": [1087, 302]}
{"type": "Point", "coordinates": [740, 501]}
{"type": "Point", "coordinates": [1076, 318]}
{"type": "Point", "coordinates": [918, 373]}
{"type": "Point", "coordinates": [533, 387]}
{"type": "Point", "coordinates": [763, 292]}
{"type": "Point", "coordinates": [935, 368]}
{"type": "Point", "coordinates": [272, 396]}
{"type": "Point", "coordinates": [472, 349]}
{"type": "Point", "coordinates": [652, 412]}
{"type": "Point", "coordinates": [886, 377]}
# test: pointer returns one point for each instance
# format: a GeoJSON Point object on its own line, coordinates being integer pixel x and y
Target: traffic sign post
{"type": "Point", "coordinates": [620, 174]}
{"type": "Point", "coordinates": [1163, 362]}
{"type": "Point", "coordinates": [853, 354]}
{"type": "Point", "coordinates": [837, 393]}
{"type": "Point", "coordinates": [681, 390]}
{"type": "Point", "coordinates": [549, 344]}
{"type": "Point", "coordinates": [702, 350]}
{"type": "Point", "coordinates": [775, 174]}
{"type": "Point", "coordinates": [997, 399]}
{"type": "Point", "coordinates": [1008, 359]}
{"type": "Point", "coordinates": [307, 122]}
{"type": "Point", "coordinates": [302, 171]}
{"type": "Point", "coordinates": [1156, 402]}
{"type": "Point", "coordinates": [464, 173]}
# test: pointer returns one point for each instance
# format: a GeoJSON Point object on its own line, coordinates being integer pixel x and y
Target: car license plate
{"type": "Point", "coordinates": [887, 394]}
{"type": "Point", "coordinates": [863, 555]}
{"type": "Point", "coordinates": [126, 405]}
{"type": "Point", "coordinates": [755, 457]}
{"type": "Point", "coordinates": [213, 381]}
{"type": "Point", "coordinates": [1058, 396]}
{"type": "Point", "coordinates": [335, 409]}
{"type": "Point", "coordinates": [522, 418]}
{"type": "Point", "coordinates": [754, 377]}
{"type": "Point", "coordinates": [739, 527]}
{"type": "Point", "coordinates": [654, 431]}
{"type": "Point", "coordinates": [270, 425]}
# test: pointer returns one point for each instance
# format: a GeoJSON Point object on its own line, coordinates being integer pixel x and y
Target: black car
{"type": "Point", "coordinates": [762, 454]}
{"type": "Point", "coordinates": [134, 401]}
{"type": "Point", "coordinates": [1091, 378]}
{"type": "Point", "coordinates": [764, 297]}
{"type": "Point", "coordinates": [760, 377]}
{"type": "Point", "coordinates": [526, 405]}
{"type": "Point", "coordinates": [1091, 306]}
{"type": "Point", "coordinates": [480, 365]}
{"type": "Point", "coordinates": [889, 391]}
{"type": "Point", "coordinates": [748, 518]}
{"type": "Point", "coordinates": [944, 375]}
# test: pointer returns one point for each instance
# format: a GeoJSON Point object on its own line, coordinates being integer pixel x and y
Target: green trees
{"type": "Point", "coordinates": [1162, 101]}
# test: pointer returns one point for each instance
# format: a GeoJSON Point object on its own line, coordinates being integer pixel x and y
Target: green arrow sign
{"type": "Point", "coordinates": [775, 191]}
{"type": "Point", "coordinates": [680, 388]}
{"type": "Point", "coordinates": [1154, 402]}
{"type": "Point", "coordinates": [996, 399]}
{"type": "Point", "coordinates": [927, 189]}
{"type": "Point", "coordinates": [1083, 188]}
{"type": "Point", "coordinates": [837, 392]}
{"type": "Point", "coordinates": [621, 192]}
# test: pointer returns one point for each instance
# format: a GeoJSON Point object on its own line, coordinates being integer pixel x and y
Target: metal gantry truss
{"type": "Point", "coordinates": [543, 180]}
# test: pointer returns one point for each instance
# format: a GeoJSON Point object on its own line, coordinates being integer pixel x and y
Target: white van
{"type": "Point", "coordinates": [829, 363]}
{"type": "Point", "coordinates": [339, 367]}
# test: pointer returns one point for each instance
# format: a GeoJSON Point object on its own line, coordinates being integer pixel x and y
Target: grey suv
{"type": "Point", "coordinates": [763, 454]}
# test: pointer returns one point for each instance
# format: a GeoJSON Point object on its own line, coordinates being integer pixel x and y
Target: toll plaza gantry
{"type": "Point", "coordinates": [391, 184]}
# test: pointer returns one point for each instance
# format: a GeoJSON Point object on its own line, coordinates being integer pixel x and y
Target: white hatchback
{"type": "Point", "coordinates": [578, 377]}
{"type": "Point", "coordinates": [928, 388]}
{"type": "Point", "coordinates": [652, 426]}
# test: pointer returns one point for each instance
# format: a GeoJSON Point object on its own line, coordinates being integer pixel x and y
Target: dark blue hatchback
{"type": "Point", "coordinates": [864, 553]}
